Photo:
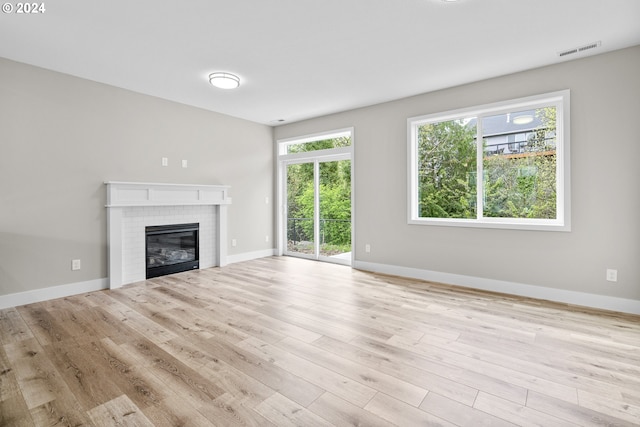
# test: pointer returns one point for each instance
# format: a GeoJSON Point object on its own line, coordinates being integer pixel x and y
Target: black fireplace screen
{"type": "Point", "coordinates": [171, 249]}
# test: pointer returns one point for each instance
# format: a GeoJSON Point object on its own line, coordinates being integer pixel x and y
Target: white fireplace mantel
{"type": "Point", "coordinates": [123, 194]}
{"type": "Point", "coordinates": [125, 197]}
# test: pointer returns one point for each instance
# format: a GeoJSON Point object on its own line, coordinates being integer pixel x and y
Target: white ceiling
{"type": "Point", "coordinates": [305, 58]}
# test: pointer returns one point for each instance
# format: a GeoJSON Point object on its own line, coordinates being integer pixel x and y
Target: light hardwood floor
{"type": "Point", "coordinates": [284, 341]}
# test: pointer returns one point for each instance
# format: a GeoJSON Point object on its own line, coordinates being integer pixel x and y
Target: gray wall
{"type": "Point", "coordinates": [61, 137]}
{"type": "Point", "coordinates": [605, 152]}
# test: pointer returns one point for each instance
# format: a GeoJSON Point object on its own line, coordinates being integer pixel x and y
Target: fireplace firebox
{"type": "Point", "coordinates": [171, 249]}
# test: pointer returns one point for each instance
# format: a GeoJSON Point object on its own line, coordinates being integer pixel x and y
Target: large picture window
{"type": "Point", "coordinates": [503, 165]}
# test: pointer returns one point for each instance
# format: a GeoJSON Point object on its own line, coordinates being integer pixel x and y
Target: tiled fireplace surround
{"type": "Point", "coordinates": [133, 206]}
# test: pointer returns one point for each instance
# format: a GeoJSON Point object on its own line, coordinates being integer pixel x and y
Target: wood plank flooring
{"type": "Point", "coordinates": [287, 342]}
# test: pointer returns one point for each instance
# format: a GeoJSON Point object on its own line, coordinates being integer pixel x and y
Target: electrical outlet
{"type": "Point", "coordinates": [266, 238]}
{"type": "Point", "coordinates": [612, 275]}
{"type": "Point", "coordinates": [75, 264]}
{"type": "Point", "coordinates": [367, 248]}
{"type": "Point", "coordinates": [185, 163]}
{"type": "Point", "coordinates": [165, 161]}
{"type": "Point", "coordinates": [234, 242]}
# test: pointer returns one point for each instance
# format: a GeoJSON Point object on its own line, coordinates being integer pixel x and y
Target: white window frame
{"type": "Point", "coordinates": [562, 222]}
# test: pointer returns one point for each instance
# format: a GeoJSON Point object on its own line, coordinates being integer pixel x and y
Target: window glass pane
{"type": "Point", "coordinates": [446, 156]}
{"type": "Point", "coordinates": [341, 141]}
{"type": "Point", "coordinates": [335, 208]}
{"type": "Point", "coordinates": [300, 202]}
{"type": "Point", "coordinates": [520, 164]}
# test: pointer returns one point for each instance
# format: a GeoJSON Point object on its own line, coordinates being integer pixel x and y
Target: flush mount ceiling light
{"type": "Point", "coordinates": [224, 80]}
{"type": "Point", "coordinates": [523, 119]}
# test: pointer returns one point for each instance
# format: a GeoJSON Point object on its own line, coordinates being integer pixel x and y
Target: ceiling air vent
{"type": "Point", "coordinates": [579, 49]}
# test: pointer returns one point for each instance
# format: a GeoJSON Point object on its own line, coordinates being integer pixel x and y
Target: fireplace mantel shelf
{"type": "Point", "coordinates": [128, 194]}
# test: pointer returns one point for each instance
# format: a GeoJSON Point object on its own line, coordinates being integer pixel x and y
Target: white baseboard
{"type": "Point", "coordinates": [44, 294]}
{"type": "Point", "coordinates": [248, 256]}
{"type": "Point", "coordinates": [558, 295]}
{"type": "Point", "coordinates": [61, 291]}
{"type": "Point", "coordinates": [539, 292]}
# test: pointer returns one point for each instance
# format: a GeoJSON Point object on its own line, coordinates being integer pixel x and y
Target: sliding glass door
{"type": "Point", "coordinates": [315, 220]}
{"type": "Point", "coordinates": [318, 210]}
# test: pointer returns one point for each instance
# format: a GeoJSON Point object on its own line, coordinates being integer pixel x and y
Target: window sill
{"type": "Point", "coordinates": [496, 223]}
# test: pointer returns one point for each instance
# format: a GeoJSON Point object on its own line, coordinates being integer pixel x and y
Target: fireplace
{"type": "Point", "coordinates": [171, 249]}
{"type": "Point", "coordinates": [134, 206]}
